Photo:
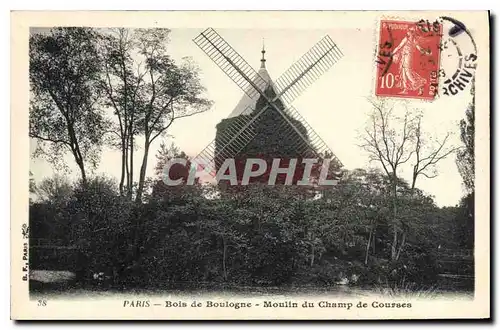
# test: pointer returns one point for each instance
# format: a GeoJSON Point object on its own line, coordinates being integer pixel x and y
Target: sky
{"type": "Point", "coordinates": [336, 105]}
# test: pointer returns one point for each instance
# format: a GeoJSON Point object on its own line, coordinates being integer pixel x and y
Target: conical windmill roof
{"type": "Point", "coordinates": [247, 103]}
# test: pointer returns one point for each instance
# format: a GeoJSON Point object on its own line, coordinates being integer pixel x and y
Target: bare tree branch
{"type": "Point", "coordinates": [390, 146]}
{"type": "Point", "coordinates": [36, 136]}
{"type": "Point", "coordinates": [435, 153]}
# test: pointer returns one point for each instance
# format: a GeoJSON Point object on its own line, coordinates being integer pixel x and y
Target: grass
{"type": "Point", "coordinates": [404, 289]}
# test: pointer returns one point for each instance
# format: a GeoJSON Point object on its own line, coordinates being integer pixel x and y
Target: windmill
{"type": "Point", "coordinates": [272, 97]}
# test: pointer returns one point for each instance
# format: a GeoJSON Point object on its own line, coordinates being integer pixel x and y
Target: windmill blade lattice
{"type": "Point", "coordinates": [233, 65]}
{"type": "Point", "coordinates": [315, 140]}
{"type": "Point", "coordinates": [234, 138]}
{"type": "Point", "coordinates": [319, 59]}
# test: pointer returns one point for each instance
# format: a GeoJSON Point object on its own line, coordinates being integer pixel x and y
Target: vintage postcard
{"type": "Point", "coordinates": [250, 165]}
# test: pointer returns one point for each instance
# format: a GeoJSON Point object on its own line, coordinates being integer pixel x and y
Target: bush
{"type": "Point", "coordinates": [258, 236]}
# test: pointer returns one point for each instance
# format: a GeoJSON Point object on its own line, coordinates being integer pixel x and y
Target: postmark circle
{"type": "Point", "coordinates": [458, 57]}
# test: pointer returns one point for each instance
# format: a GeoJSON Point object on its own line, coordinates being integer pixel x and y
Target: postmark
{"type": "Point", "coordinates": [458, 56]}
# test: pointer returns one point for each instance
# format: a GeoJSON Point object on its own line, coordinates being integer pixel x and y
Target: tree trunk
{"type": "Point", "coordinates": [137, 234]}
{"type": "Point", "coordinates": [394, 242]}
{"type": "Point", "coordinates": [127, 171]}
{"type": "Point", "coordinates": [130, 181]}
{"type": "Point", "coordinates": [142, 174]}
{"type": "Point", "coordinates": [75, 148]}
{"type": "Point", "coordinates": [312, 255]}
{"type": "Point", "coordinates": [82, 170]}
{"type": "Point", "coordinates": [124, 160]}
{"type": "Point", "coordinates": [368, 246]}
{"type": "Point", "coordinates": [394, 215]}
{"type": "Point", "coordinates": [131, 167]}
{"type": "Point", "coordinates": [401, 246]}
{"type": "Point", "coordinates": [413, 181]}
{"type": "Point", "coordinates": [224, 254]}
{"type": "Point", "coordinates": [374, 240]}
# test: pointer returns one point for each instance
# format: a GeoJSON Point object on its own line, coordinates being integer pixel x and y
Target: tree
{"type": "Point", "coordinates": [164, 154]}
{"type": "Point", "coordinates": [54, 189]}
{"type": "Point", "coordinates": [362, 195]}
{"type": "Point", "coordinates": [32, 183]}
{"type": "Point", "coordinates": [465, 222]}
{"type": "Point", "coordinates": [65, 114]}
{"type": "Point", "coordinates": [393, 141]}
{"type": "Point", "coordinates": [32, 186]}
{"type": "Point", "coordinates": [391, 146]}
{"type": "Point", "coordinates": [100, 226]}
{"type": "Point", "coordinates": [170, 92]}
{"type": "Point", "coordinates": [176, 171]}
{"type": "Point", "coordinates": [148, 92]}
{"type": "Point", "coordinates": [465, 155]}
{"type": "Point", "coordinates": [465, 163]}
{"type": "Point", "coordinates": [121, 83]}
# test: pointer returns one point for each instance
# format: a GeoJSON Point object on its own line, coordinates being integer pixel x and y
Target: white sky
{"type": "Point", "coordinates": [335, 106]}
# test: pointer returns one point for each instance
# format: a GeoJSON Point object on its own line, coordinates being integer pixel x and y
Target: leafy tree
{"type": "Point", "coordinates": [164, 154]}
{"type": "Point", "coordinates": [57, 188]}
{"type": "Point", "coordinates": [121, 82]}
{"type": "Point", "coordinates": [170, 91]}
{"type": "Point", "coordinates": [464, 227]}
{"type": "Point", "coordinates": [32, 186]}
{"type": "Point", "coordinates": [32, 183]}
{"type": "Point", "coordinates": [176, 193]}
{"type": "Point", "coordinates": [101, 227]}
{"type": "Point", "coordinates": [465, 155]}
{"type": "Point", "coordinates": [466, 166]}
{"type": "Point", "coordinates": [148, 92]}
{"type": "Point", "coordinates": [65, 113]}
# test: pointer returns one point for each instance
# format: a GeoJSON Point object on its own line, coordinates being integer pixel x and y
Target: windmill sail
{"type": "Point", "coordinates": [263, 99]}
{"type": "Point", "coordinates": [315, 140]}
{"type": "Point", "coordinates": [231, 63]}
{"type": "Point", "coordinates": [319, 59]}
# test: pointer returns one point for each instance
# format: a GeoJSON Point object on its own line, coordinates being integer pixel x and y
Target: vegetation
{"type": "Point", "coordinates": [393, 141]}
{"type": "Point", "coordinates": [65, 114]}
{"type": "Point", "coordinates": [90, 90]}
{"type": "Point", "coordinates": [261, 235]}
{"type": "Point", "coordinates": [76, 73]}
{"type": "Point", "coordinates": [465, 163]}
{"type": "Point", "coordinates": [147, 91]}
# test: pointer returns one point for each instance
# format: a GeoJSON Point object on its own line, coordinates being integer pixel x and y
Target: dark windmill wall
{"type": "Point", "coordinates": [274, 138]}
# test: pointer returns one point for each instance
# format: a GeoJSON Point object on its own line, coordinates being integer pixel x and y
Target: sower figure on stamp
{"type": "Point", "coordinates": [409, 79]}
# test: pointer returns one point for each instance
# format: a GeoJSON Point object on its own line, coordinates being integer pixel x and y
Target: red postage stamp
{"type": "Point", "coordinates": [408, 59]}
